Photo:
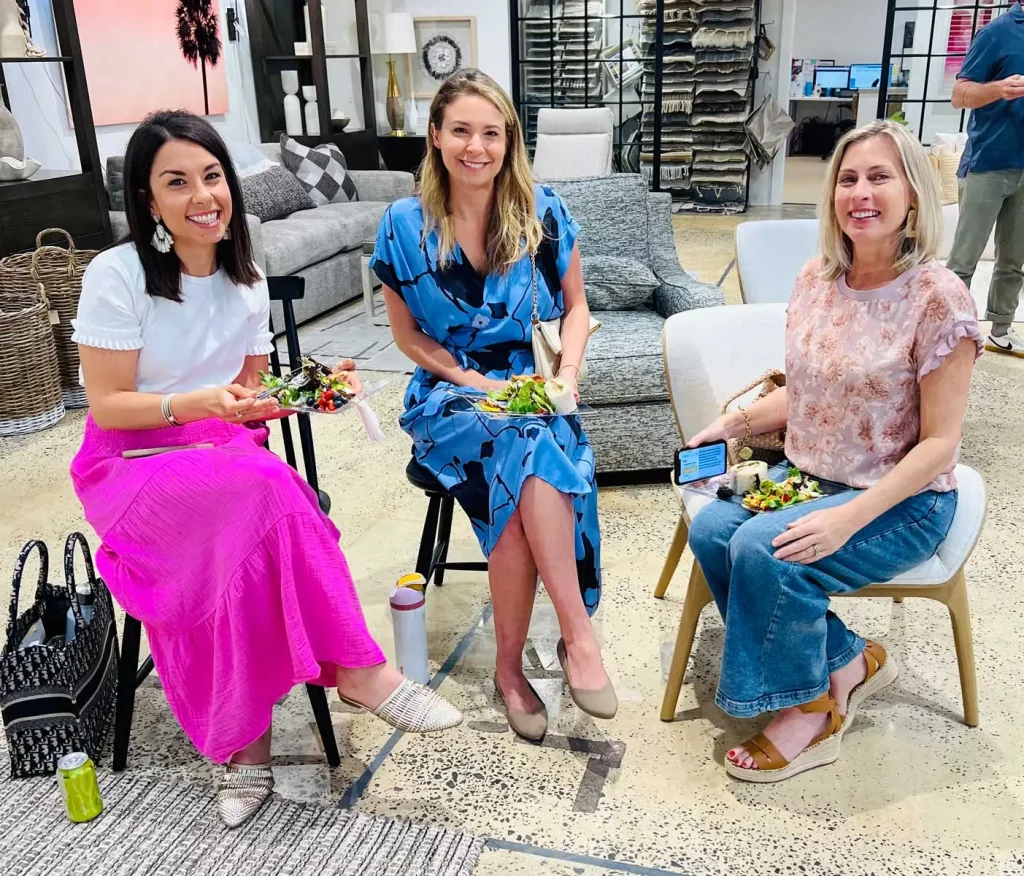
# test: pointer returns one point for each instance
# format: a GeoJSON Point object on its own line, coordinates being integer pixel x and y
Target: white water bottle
{"type": "Point", "coordinates": [409, 617]}
{"type": "Point", "coordinates": [85, 603]}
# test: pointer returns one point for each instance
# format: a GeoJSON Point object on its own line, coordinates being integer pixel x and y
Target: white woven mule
{"type": "Point", "coordinates": [414, 708]}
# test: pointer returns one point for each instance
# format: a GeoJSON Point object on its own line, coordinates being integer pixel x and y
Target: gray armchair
{"type": "Point", "coordinates": [634, 282]}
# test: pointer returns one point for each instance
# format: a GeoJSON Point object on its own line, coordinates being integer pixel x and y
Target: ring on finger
{"type": "Point", "coordinates": [817, 550]}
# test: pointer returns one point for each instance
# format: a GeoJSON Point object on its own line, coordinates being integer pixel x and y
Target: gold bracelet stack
{"type": "Point", "coordinates": [746, 423]}
{"type": "Point", "coordinates": [744, 452]}
{"type": "Point", "coordinates": [165, 409]}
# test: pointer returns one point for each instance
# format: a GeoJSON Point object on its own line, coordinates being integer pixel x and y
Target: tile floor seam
{"type": "Point", "coordinates": [359, 786]}
{"type": "Point", "coordinates": [575, 858]}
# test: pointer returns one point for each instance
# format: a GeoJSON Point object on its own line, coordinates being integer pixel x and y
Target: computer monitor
{"type": "Point", "coordinates": [867, 76]}
{"type": "Point", "coordinates": [831, 77]}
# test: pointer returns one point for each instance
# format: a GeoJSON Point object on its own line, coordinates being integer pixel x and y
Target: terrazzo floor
{"type": "Point", "coordinates": [915, 791]}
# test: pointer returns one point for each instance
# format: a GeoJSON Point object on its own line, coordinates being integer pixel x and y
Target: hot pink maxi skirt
{"type": "Point", "coordinates": [234, 571]}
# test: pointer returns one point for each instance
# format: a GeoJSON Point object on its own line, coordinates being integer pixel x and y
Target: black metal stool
{"type": "Point", "coordinates": [432, 559]}
{"type": "Point", "coordinates": [129, 674]}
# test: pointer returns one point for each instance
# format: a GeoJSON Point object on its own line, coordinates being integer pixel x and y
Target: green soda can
{"type": "Point", "coordinates": [77, 777]}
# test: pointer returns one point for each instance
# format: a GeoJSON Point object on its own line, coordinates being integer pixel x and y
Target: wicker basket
{"type": "Point", "coordinates": [59, 270]}
{"type": "Point", "coordinates": [30, 393]}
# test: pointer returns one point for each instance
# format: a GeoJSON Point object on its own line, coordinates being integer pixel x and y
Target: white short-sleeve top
{"type": "Point", "coordinates": [199, 342]}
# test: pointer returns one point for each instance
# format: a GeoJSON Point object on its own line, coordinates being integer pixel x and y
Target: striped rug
{"type": "Point", "coordinates": [171, 829]}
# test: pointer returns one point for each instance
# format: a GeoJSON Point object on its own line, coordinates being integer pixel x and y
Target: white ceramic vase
{"type": "Point", "coordinates": [312, 110]}
{"type": "Point", "coordinates": [12, 38]}
{"type": "Point", "coordinates": [12, 145]}
{"type": "Point", "coordinates": [13, 169]}
{"type": "Point", "coordinates": [292, 108]}
{"type": "Point", "coordinates": [412, 116]}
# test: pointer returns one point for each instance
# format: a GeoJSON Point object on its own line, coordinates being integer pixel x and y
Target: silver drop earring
{"type": "Point", "coordinates": [162, 239]}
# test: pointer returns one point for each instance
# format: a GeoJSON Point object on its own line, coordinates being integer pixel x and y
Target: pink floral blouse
{"type": "Point", "coordinates": [854, 360]}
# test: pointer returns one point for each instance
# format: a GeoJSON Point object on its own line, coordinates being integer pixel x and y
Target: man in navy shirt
{"type": "Point", "coordinates": [990, 84]}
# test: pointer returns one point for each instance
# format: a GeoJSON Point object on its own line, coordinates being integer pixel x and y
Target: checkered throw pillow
{"type": "Point", "coordinates": [322, 171]}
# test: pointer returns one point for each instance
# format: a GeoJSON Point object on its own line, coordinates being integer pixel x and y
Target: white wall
{"type": "Point", "coordinates": [779, 19]}
{"type": "Point", "coordinates": [343, 80]}
{"type": "Point", "coordinates": [492, 46]}
{"type": "Point", "coordinates": [846, 31]}
{"type": "Point", "coordinates": [39, 100]}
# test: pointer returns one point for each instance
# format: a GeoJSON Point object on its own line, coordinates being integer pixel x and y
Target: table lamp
{"type": "Point", "coordinates": [398, 38]}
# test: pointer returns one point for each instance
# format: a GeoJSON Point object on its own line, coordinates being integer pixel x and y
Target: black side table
{"type": "Point", "coordinates": [402, 153]}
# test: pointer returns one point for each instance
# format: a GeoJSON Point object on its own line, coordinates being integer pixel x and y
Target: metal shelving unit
{"type": "Point", "coordinates": [274, 27]}
{"type": "Point", "coordinates": [679, 99]}
{"type": "Point", "coordinates": [74, 200]}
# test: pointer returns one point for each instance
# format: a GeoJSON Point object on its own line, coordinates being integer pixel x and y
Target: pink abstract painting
{"type": "Point", "coordinates": [134, 59]}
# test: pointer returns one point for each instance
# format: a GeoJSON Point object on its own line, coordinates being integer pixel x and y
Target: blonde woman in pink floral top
{"type": "Point", "coordinates": [881, 341]}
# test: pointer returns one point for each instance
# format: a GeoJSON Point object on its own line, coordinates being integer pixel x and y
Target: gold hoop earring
{"type": "Point", "coordinates": [911, 229]}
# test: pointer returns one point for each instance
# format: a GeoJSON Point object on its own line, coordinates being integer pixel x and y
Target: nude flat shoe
{"type": "Point", "coordinates": [530, 725]}
{"type": "Point", "coordinates": [601, 703]}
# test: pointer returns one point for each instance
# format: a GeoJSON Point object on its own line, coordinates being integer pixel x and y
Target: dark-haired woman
{"type": "Point", "coordinates": [221, 551]}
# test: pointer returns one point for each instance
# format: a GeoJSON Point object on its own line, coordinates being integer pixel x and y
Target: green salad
{"type": "Point", "coordinates": [523, 395]}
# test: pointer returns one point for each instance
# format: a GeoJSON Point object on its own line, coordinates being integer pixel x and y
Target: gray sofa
{"type": "Point", "coordinates": [632, 427]}
{"type": "Point", "coordinates": [323, 245]}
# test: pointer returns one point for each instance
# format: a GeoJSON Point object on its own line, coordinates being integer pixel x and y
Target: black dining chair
{"type": "Point", "coordinates": [129, 674]}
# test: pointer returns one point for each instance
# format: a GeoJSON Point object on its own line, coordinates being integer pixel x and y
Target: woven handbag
{"type": "Point", "coordinates": [30, 393]}
{"type": "Point", "coordinates": [58, 698]}
{"type": "Point", "coordinates": [59, 270]}
{"type": "Point", "coordinates": [769, 447]}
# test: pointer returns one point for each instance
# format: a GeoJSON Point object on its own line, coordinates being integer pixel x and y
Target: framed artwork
{"type": "Point", "coordinates": [630, 67]}
{"type": "Point", "coordinates": [144, 56]}
{"type": "Point", "coordinates": [444, 43]}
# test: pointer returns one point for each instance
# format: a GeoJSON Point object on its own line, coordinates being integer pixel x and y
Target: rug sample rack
{"type": "Point", "coordinates": [562, 43]}
{"type": "Point", "coordinates": [678, 76]}
{"type": "Point", "coordinates": [706, 90]}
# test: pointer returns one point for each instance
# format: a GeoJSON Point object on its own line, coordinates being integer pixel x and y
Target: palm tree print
{"type": "Point", "coordinates": [197, 36]}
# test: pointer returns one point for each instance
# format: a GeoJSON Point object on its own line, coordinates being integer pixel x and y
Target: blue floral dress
{"type": "Point", "coordinates": [485, 323]}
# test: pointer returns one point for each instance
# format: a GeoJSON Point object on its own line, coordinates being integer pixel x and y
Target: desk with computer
{"type": "Point", "coordinates": [841, 83]}
{"type": "Point", "coordinates": [852, 87]}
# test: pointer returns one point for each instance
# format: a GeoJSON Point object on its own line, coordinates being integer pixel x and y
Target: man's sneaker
{"type": "Point", "coordinates": [1011, 343]}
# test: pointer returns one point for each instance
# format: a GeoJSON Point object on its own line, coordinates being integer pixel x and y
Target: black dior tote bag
{"type": "Point", "coordinates": [57, 697]}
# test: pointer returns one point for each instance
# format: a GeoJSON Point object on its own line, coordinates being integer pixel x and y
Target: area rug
{"type": "Point", "coordinates": [157, 827]}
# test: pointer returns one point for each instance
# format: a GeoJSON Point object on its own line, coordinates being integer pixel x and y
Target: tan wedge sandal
{"type": "Point", "coordinates": [882, 671]}
{"type": "Point", "coordinates": [773, 767]}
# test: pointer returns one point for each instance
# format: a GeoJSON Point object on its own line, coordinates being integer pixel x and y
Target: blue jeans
{"type": "Point", "coordinates": [781, 640]}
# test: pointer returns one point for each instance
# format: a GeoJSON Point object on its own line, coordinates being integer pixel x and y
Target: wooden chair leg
{"type": "Point", "coordinates": [697, 596]}
{"type": "Point", "coordinates": [322, 714]}
{"type": "Point", "coordinates": [127, 672]}
{"type": "Point", "coordinates": [444, 537]}
{"type": "Point", "coordinates": [675, 551]}
{"type": "Point", "coordinates": [960, 615]}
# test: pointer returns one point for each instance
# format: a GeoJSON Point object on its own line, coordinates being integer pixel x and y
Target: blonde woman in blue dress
{"type": "Point", "coordinates": [457, 264]}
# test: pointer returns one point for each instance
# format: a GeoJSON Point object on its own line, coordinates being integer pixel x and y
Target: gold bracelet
{"type": "Point", "coordinates": [746, 423]}
{"type": "Point", "coordinates": [165, 409]}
